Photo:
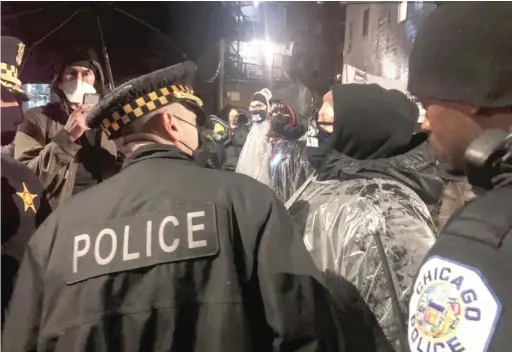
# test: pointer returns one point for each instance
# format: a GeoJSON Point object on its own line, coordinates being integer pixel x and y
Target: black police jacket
{"type": "Point", "coordinates": [167, 256]}
{"type": "Point", "coordinates": [461, 299]}
{"type": "Point", "coordinates": [24, 208]}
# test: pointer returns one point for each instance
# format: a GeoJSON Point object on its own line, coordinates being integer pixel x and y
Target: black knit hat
{"type": "Point", "coordinates": [463, 53]}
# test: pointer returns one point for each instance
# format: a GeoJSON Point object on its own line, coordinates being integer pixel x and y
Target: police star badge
{"type": "Point", "coordinates": [27, 198]}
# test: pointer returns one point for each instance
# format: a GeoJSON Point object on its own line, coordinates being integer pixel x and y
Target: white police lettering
{"type": "Point", "coordinates": [161, 234]}
{"type": "Point", "coordinates": [449, 304]}
{"type": "Point", "coordinates": [149, 227]}
{"type": "Point", "coordinates": [191, 228]}
{"type": "Point", "coordinates": [181, 233]}
{"type": "Point", "coordinates": [113, 247]}
{"type": "Point", "coordinates": [80, 252]}
{"type": "Point", "coordinates": [126, 240]}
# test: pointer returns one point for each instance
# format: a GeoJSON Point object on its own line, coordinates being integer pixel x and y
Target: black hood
{"type": "Point", "coordinates": [371, 122]}
{"type": "Point", "coordinates": [80, 55]}
{"type": "Point", "coordinates": [415, 168]}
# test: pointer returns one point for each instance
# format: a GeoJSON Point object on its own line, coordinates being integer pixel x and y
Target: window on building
{"type": "Point", "coordinates": [402, 11]}
{"type": "Point", "coordinates": [366, 22]}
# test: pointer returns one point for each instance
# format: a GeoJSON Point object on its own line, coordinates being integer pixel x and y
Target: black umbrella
{"type": "Point", "coordinates": [134, 37]}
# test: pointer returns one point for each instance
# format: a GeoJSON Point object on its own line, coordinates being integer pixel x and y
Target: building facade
{"type": "Point", "coordinates": [259, 53]}
{"type": "Point", "coordinates": [379, 36]}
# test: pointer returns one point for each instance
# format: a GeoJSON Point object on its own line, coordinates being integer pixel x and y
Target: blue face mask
{"type": "Point", "coordinates": [318, 144]}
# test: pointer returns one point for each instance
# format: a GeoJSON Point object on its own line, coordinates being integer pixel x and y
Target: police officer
{"type": "Point", "coordinates": [167, 255]}
{"type": "Point", "coordinates": [461, 70]}
{"type": "Point", "coordinates": [24, 206]}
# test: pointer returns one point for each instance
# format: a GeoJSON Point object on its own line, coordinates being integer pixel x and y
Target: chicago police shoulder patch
{"type": "Point", "coordinates": [181, 233]}
{"type": "Point", "coordinates": [452, 308]}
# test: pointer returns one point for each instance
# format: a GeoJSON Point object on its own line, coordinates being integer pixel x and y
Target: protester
{"type": "Point", "coordinates": [368, 191]}
{"type": "Point", "coordinates": [464, 81]}
{"type": "Point", "coordinates": [53, 140]}
{"type": "Point", "coordinates": [238, 133]}
{"type": "Point", "coordinates": [219, 267]}
{"type": "Point", "coordinates": [289, 116]}
{"type": "Point", "coordinates": [24, 206]}
{"type": "Point", "coordinates": [253, 160]}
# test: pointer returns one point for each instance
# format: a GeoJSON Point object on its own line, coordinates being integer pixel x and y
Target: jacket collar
{"type": "Point", "coordinates": [415, 168]}
{"type": "Point", "coordinates": [156, 151]}
{"type": "Point", "coordinates": [415, 158]}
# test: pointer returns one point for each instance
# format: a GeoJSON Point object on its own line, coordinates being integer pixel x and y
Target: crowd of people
{"type": "Point", "coordinates": [141, 223]}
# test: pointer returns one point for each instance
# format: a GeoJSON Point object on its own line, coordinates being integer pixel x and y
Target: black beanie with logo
{"type": "Point", "coordinates": [463, 53]}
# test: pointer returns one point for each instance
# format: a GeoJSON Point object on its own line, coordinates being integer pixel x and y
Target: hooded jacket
{"type": "Point", "coordinates": [352, 205]}
{"type": "Point", "coordinates": [44, 146]}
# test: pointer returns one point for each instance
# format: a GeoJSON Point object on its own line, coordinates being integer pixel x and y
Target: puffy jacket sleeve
{"type": "Point", "coordinates": [21, 328]}
{"type": "Point", "coordinates": [48, 159]}
{"type": "Point", "coordinates": [347, 245]}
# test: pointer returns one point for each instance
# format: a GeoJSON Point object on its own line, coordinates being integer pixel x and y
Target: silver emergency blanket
{"type": "Point", "coordinates": [338, 219]}
{"type": "Point", "coordinates": [253, 160]}
{"type": "Point", "coordinates": [289, 167]}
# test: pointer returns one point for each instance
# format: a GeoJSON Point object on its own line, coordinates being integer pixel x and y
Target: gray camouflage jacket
{"type": "Point", "coordinates": [349, 201]}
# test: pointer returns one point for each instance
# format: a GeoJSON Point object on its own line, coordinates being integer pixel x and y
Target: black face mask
{"type": "Point", "coordinates": [258, 115]}
{"type": "Point", "coordinates": [205, 155]}
{"type": "Point", "coordinates": [318, 144]}
{"type": "Point", "coordinates": [11, 117]}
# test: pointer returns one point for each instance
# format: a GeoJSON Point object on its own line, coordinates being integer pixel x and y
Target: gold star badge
{"type": "Point", "coordinates": [27, 198]}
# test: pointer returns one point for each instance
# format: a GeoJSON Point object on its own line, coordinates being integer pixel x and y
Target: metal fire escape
{"type": "Point", "coordinates": [266, 63]}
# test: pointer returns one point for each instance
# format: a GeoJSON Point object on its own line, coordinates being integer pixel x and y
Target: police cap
{"type": "Point", "coordinates": [143, 95]}
{"type": "Point", "coordinates": [12, 55]}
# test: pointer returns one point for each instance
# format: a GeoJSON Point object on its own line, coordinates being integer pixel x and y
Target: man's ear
{"type": "Point", "coordinates": [169, 126]}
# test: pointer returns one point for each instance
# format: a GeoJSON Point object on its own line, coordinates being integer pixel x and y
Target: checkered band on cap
{"type": "Point", "coordinates": [9, 73]}
{"type": "Point", "coordinates": [146, 104]}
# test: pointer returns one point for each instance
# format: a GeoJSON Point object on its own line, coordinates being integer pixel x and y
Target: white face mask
{"type": "Point", "coordinates": [75, 90]}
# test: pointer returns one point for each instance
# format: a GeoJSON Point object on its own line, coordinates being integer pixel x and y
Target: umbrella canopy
{"type": "Point", "coordinates": [139, 37]}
